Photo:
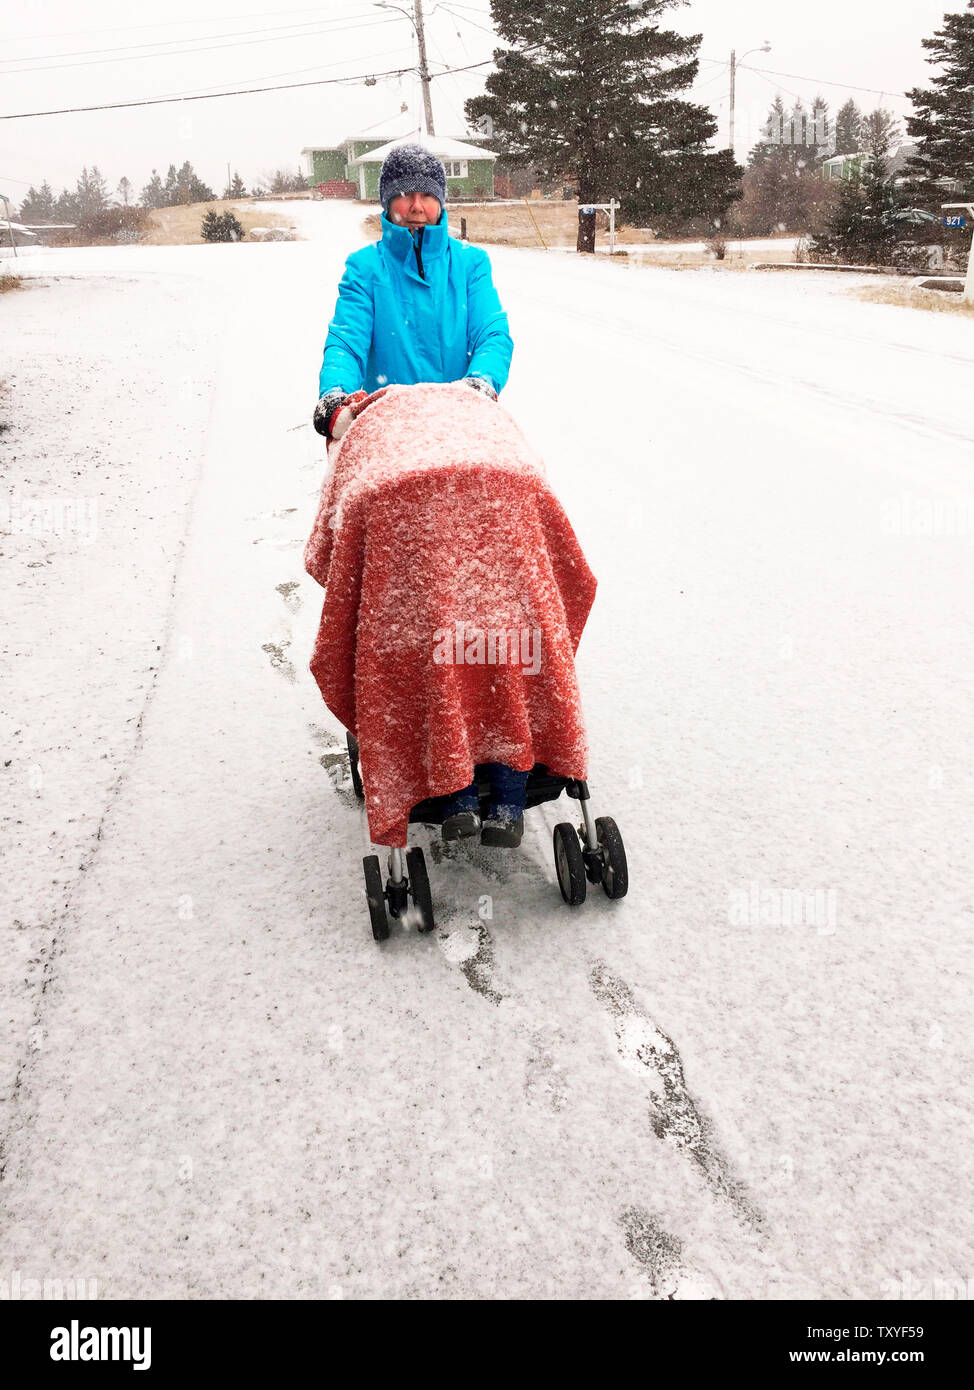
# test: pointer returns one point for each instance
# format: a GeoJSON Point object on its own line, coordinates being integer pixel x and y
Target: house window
{"type": "Point", "coordinates": [455, 168]}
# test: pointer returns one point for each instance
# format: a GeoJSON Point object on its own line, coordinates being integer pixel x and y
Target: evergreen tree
{"type": "Point", "coordinates": [153, 195]}
{"type": "Point", "coordinates": [67, 208]}
{"type": "Point", "coordinates": [171, 187]}
{"type": "Point", "coordinates": [820, 129]}
{"type": "Point", "coordinates": [92, 192]}
{"type": "Point", "coordinates": [783, 185]}
{"type": "Point", "coordinates": [880, 133]}
{"type": "Point", "coordinates": [235, 189]}
{"type": "Point", "coordinates": [943, 126]}
{"type": "Point", "coordinates": [589, 90]}
{"type": "Point", "coordinates": [124, 191]}
{"type": "Point", "coordinates": [189, 188]}
{"type": "Point", "coordinates": [39, 205]}
{"type": "Point", "coordinates": [220, 227]}
{"type": "Point", "coordinates": [866, 225]}
{"type": "Point", "coordinates": [284, 182]}
{"type": "Point", "coordinates": [848, 128]}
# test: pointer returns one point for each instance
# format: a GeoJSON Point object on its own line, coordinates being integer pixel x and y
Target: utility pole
{"type": "Point", "coordinates": [733, 94]}
{"type": "Point", "coordinates": [765, 48]}
{"type": "Point", "coordinates": [424, 75]}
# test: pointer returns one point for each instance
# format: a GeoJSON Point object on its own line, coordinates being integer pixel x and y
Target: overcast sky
{"type": "Point", "coordinates": [60, 53]}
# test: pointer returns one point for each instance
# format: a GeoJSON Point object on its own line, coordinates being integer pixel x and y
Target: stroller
{"type": "Point", "coordinates": [493, 545]}
{"type": "Point", "coordinates": [594, 853]}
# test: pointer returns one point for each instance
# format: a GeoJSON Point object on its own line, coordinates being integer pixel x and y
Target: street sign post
{"type": "Point", "coordinates": [610, 208]}
{"type": "Point", "coordinates": [968, 209]}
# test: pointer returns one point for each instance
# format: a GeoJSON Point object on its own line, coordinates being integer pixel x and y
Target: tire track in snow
{"type": "Point", "coordinates": [674, 1115]}
{"type": "Point", "coordinates": [63, 918]}
{"type": "Point", "coordinates": [638, 334]}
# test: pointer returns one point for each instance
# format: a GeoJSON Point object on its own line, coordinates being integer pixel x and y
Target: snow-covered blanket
{"type": "Point", "coordinates": [455, 597]}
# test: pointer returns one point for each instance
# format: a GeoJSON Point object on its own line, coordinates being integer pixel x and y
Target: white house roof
{"type": "Point", "coordinates": [440, 145]}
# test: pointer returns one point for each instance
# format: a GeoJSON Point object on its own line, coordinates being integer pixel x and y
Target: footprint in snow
{"type": "Point", "coordinates": [544, 1081]}
{"type": "Point", "coordinates": [661, 1256]}
{"type": "Point", "coordinates": [289, 593]}
{"type": "Point", "coordinates": [335, 762]}
{"type": "Point", "coordinates": [339, 772]}
{"type": "Point", "coordinates": [324, 737]}
{"type": "Point", "coordinates": [276, 652]}
{"type": "Point", "coordinates": [471, 948]}
{"type": "Point", "coordinates": [673, 1113]}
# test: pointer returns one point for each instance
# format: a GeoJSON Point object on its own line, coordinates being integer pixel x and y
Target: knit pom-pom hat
{"type": "Point", "coordinates": [411, 169]}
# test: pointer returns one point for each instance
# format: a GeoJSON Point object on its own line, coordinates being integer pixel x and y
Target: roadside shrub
{"type": "Point", "coordinates": [220, 227]}
{"type": "Point", "coordinates": [111, 225]}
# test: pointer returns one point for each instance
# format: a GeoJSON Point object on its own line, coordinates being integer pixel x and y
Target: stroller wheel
{"type": "Point", "coordinates": [569, 864]}
{"type": "Point", "coordinates": [353, 766]}
{"type": "Point", "coordinates": [375, 894]}
{"type": "Point", "coordinates": [615, 870]}
{"type": "Point", "coordinates": [419, 888]}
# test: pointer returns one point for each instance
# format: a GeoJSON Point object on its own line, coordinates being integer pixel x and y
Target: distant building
{"type": "Point", "coordinates": [840, 166]}
{"type": "Point", "coordinates": [357, 160]}
{"type": "Point", "coordinates": [31, 233]}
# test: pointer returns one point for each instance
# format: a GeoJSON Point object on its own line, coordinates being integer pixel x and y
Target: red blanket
{"type": "Point", "coordinates": [455, 598]}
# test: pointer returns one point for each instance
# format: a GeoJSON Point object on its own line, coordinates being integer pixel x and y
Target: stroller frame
{"type": "Point", "coordinates": [592, 853]}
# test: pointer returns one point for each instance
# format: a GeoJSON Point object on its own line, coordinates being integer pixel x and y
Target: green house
{"type": "Point", "coordinates": [358, 159]}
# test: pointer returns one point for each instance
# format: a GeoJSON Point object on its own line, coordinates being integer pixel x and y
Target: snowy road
{"type": "Point", "coordinates": [217, 1085]}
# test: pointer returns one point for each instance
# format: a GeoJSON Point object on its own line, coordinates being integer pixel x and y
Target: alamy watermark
{"type": "Point", "coordinates": [907, 515]}
{"type": "Point", "coordinates": [946, 1286]}
{"type": "Point", "coordinates": [16, 1287]}
{"type": "Point", "coordinates": [466, 645]}
{"type": "Point", "coordinates": [51, 516]}
{"type": "Point", "coordinates": [813, 129]}
{"type": "Point", "coordinates": [754, 906]}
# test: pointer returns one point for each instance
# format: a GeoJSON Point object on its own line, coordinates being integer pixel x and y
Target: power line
{"type": "Point", "coordinates": [775, 86]}
{"type": "Point", "coordinates": [824, 82]}
{"type": "Point", "coordinates": [159, 24]}
{"type": "Point", "coordinates": [436, 48]}
{"type": "Point", "coordinates": [217, 87]}
{"type": "Point", "coordinates": [393, 72]}
{"type": "Point", "coordinates": [162, 43]}
{"type": "Point", "coordinates": [270, 37]}
{"type": "Point", "coordinates": [207, 96]}
{"type": "Point", "coordinates": [464, 20]}
{"type": "Point", "coordinates": [716, 78]}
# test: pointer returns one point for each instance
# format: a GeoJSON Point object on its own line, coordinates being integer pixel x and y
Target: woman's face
{"type": "Point", "coordinates": [415, 210]}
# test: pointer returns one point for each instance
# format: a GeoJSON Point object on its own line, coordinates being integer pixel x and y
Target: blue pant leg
{"type": "Point", "coordinates": [507, 786]}
{"type": "Point", "coordinates": [467, 799]}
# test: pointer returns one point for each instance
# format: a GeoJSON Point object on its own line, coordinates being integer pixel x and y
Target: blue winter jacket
{"type": "Point", "coordinates": [415, 306]}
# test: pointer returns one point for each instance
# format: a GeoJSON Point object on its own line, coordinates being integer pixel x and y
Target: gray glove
{"type": "Point", "coordinates": [480, 383]}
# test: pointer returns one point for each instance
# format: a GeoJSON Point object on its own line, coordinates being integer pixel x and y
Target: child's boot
{"type": "Point", "coordinates": [504, 823]}
{"type": "Point", "coordinates": [461, 813]}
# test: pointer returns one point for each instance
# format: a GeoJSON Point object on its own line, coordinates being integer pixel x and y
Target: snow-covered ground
{"type": "Point", "coordinates": [216, 1084]}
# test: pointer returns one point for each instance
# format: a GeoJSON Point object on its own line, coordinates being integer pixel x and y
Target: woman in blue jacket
{"type": "Point", "coordinates": [421, 306]}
